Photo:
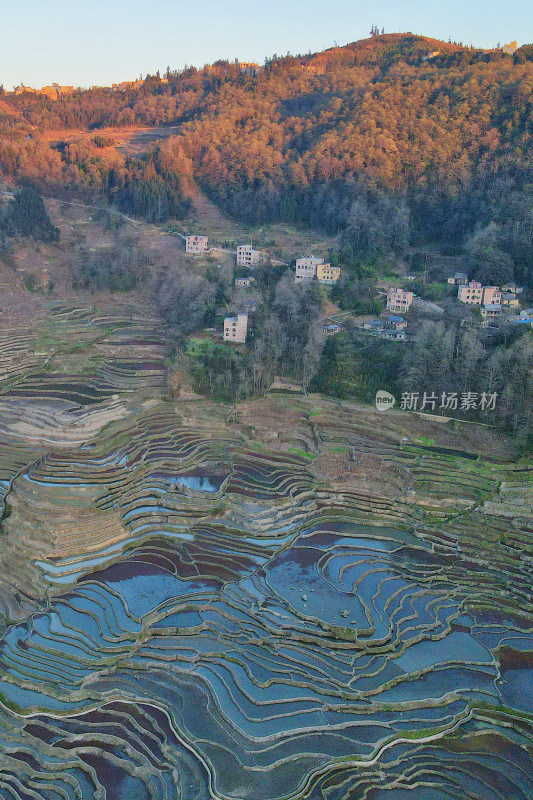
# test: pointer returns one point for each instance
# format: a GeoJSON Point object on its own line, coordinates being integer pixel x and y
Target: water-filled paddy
{"type": "Point", "coordinates": [245, 636]}
{"type": "Point", "coordinates": [334, 636]}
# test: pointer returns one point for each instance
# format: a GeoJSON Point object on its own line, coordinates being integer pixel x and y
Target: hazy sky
{"type": "Point", "coordinates": [92, 42]}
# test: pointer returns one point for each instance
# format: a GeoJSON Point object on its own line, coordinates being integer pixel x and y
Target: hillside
{"type": "Point", "coordinates": [384, 49]}
{"type": "Point", "coordinates": [374, 139]}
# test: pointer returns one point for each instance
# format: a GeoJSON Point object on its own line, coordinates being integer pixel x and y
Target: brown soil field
{"type": "Point", "coordinates": [134, 140]}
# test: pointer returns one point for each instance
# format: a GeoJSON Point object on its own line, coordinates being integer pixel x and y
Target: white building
{"type": "Point", "coordinates": [244, 283]}
{"type": "Point", "coordinates": [306, 268]}
{"type": "Point", "coordinates": [399, 301]}
{"type": "Point", "coordinates": [236, 328]}
{"type": "Point", "coordinates": [247, 256]}
{"type": "Point", "coordinates": [196, 244]}
{"type": "Point", "coordinates": [395, 336]}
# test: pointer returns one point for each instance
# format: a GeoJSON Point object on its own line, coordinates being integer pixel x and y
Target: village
{"type": "Point", "coordinates": [490, 305]}
{"type": "Point", "coordinates": [55, 91]}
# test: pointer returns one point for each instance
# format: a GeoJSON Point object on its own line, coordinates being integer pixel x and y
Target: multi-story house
{"type": "Point", "coordinates": [55, 91]}
{"type": "Point", "coordinates": [327, 275]}
{"type": "Point", "coordinates": [306, 268]}
{"type": "Point", "coordinates": [247, 256]}
{"type": "Point", "coordinates": [236, 328]}
{"type": "Point", "coordinates": [471, 294]}
{"type": "Point", "coordinates": [492, 295]}
{"type": "Point", "coordinates": [196, 244]}
{"type": "Point", "coordinates": [22, 89]}
{"type": "Point", "coordinates": [399, 301]}
{"type": "Point", "coordinates": [248, 67]}
{"type": "Point", "coordinates": [124, 86]}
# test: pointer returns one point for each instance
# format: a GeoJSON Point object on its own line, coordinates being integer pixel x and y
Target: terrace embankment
{"type": "Point", "coordinates": [307, 599]}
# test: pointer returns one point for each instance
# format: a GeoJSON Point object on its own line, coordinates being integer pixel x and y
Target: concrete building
{"type": "Point", "coordinates": [196, 244]}
{"type": "Point", "coordinates": [491, 310]}
{"type": "Point", "coordinates": [55, 91]}
{"type": "Point", "coordinates": [374, 326]}
{"type": "Point", "coordinates": [332, 329]}
{"type": "Point", "coordinates": [396, 323]}
{"type": "Point", "coordinates": [395, 336]}
{"type": "Point", "coordinates": [474, 294]}
{"type": "Point", "coordinates": [23, 89]}
{"type": "Point", "coordinates": [248, 67]}
{"type": "Point", "coordinates": [513, 287]}
{"type": "Point", "coordinates": [247, 256]}
{"type": "Point", "coordinates": [510, 48]}
{"type": "Point", "coordinates": [124, 86]}
{"type": "Point", "coordinates": [306, 268]}
{"type": "Point", "coordinates": [471, 294]}
{"type": "Point", "coordinates": [236, 328]}
{"type": "Point", "coordinates": [510, 300]}
{"type": "Point", "coordinates": [492, 295]}
{"type": "Point", "coordinates": [327, 275]}
{"type": "Point", "coordinates": [459, 279]}
{"type": "Point", "coordinates": [244, 283]}
{"type": "Point", "coordinates": [399, 301]}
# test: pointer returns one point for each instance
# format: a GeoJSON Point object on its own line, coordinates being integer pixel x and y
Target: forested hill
{"type": "Point", "coordinates": [375, 138]}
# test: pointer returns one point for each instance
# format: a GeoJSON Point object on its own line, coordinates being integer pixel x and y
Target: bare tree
{"type": "Point", "coordinates": [312, 353]}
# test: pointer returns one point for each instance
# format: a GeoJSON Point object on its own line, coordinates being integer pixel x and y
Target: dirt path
{"type": "Point", "coordinates": [98, 208]}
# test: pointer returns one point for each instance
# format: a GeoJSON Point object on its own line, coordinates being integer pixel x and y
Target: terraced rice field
{"type": "Point", "coordinates": [192, 609]}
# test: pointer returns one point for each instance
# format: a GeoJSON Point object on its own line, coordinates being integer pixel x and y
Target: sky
{"type": "Point", "coordinates": [99, 42]}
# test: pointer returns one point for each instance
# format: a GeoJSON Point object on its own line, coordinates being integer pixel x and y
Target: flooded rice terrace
{"type": "Point", "coordinates": [188, 614]}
